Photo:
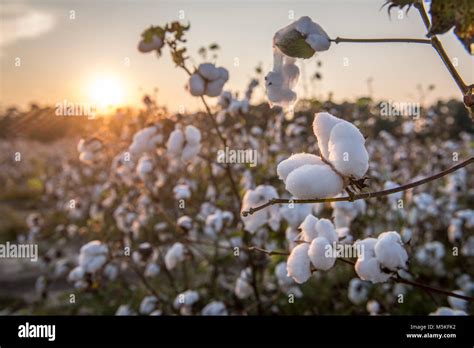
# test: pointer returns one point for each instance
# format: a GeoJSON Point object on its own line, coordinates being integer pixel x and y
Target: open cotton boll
{"type": "Point", "coordinates": [325, 228]}
{"type": "Point", "coordinates": [281, 80]}
{"type": "Point", "coordinates": [314, 181]}
{"type": "Point", "coordinates": [156, 43]}
{"type": "Point", "coordinates": [390, 252]}
{"type": "Point", "coordinates": [214, 308]}
{"type": "Point", "coordinates": [293, 41]}
{"type": "Point", "coordinates": [282, 275]}
{"type": "Point", "coordinates": [209, 71]}
{"type": "Point", "coordinates": [308, 228]}
{"type": "Point", "coordinates": [76, 274]}
{"type": "Point", "coordinates": [252, 198]}
{"type": "Point", "coordinates": [369, 269]}
{"type": "Point", "coordinates": [298, 264]}
{"type": "Point", "coordinates": [187, 298]}
{"type": "Point", "coordinates": [144, 167]}
{"type": "Point", "coordinates": [358, 291]}
{"type": "Point", "coordinates": [93, 256]}
{"type": "Point", "coordinates": [175, 142]}
{"type": "Point", "coordinates": [192, 134]}
{"type": "Point", "coordinates": [174, 255]}
{"type": "Point", "coordinates": [190, 151]}
{"type": "Point", "coordinates": [323, 124]}
{"type": "Point", "coordinates": [214, 88]}
{"type": "Point", "coordinates": [321, 254]}
{"type": "Point", "coordinates": [151, 270]}
{"type": "Point", "coordinates": [145, 140]}
{"type": "Point", "coordinates": [347, 150]}
{"type": "Point", "coordinates": [243, 288]}
{"type": "Point", "coordinates": [197, 85]}
{"type": "Point", "coordinates": [285, 167]}
{"type": "Point", "coordinates": [148, 304]}
{"type": "Point", "coordinates": [367, 247]}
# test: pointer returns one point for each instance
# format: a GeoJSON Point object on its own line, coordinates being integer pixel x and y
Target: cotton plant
{"type": "Point", "coordinates": [343, 161]}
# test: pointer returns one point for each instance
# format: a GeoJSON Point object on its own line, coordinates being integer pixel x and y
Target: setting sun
{"type": "Point", "coordinates": [106, 91]}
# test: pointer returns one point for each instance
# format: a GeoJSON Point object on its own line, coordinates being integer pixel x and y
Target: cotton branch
{"type": "Point", "coordinates": [384, 40]}
{"type": "Point", "coordinates": [396, 278]}
{"type": "Point", "coordinates": [361, 195]}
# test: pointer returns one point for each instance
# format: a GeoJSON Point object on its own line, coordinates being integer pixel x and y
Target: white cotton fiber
{"type": "Point", "coordinates": [174, 255]}
{"type": "Point", "coordinates": [192, 134]}
{"type": "Point", "coordinates": [175, 143]}
{"type": "Point", "coordinates": [390, 252]}
{"type": "Point", "coordinates": [322, 126]}
{"type": "Point", "coordinates": [197, 86]}
{"type": "Point", "coordinates": [314, 181]}
{"type": "Point", "coordinates": [321, 254]}
{"type": "Point", "coordinates": [214, 88]}
{"type": "Point", "coordinates": [285, 167]}
{"type": "Point", "coordinates": [318, 42]}
{"type": "Point", "coordinates": [208, 71]}
{"type": "Point", "coordinates": [347, 150]}
{"type": "Point", "coordinates": [369, 269]}
{"type": "Point", "coordinates": [308, 228]}
{"type": "Point", "coordinates": [325, 228]}
{"type": "Point", "coordinates": [298, 264]}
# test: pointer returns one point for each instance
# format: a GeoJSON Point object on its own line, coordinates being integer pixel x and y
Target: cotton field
{"type": "Point", "coordinates": [343, 210]}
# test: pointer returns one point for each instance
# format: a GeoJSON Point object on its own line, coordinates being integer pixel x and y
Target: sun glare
{"type": "Point", "coordinates": [106, 92]}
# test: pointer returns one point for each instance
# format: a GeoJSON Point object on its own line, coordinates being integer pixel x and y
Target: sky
{"type": "Point", "coordinates": [81, 56]}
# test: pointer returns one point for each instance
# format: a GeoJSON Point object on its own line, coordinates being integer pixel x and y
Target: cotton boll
{"type": "Point", "coordinates": [322, 126]}
{"type": "Point", "coordinates": [192, 135]}
{"type": "Point", "coordinates": [151, 270]}
{"type": "Point", "coordinates": [148, 304]}
{"type": "Point", "coordinates": [243, 288]}
{"type": "Point", "coordinates": [93, 256]}
{"type": "Point", "coordinates": [290, 74]}
{"type": "Point", "coordinates": [185, 222]}
{"type": "Point", "coordinates": [175, 255]}
{"type": "Point", "coordinates": [344, 235]}
{"type": "Point", "coordinates": [369, 269]}
{"type": "Point", "coordinates": [358, 291]}
{"type": "Point", "coordinates": [318, 42]}
{"type": "Point", "coordinates": [111, 271]}
{"type": "Point", "coordinates": [197, 85]}
{"type": "Point", "coordinates": [298, 264]}
{"type": "Point", "coordinates": [190, 151]}
{"type": "Point", "coordinates": [285, 167]}
{"type": "Point", "coordinates": [367, 247]}
{"type": "Point", "coordinates": [347, 150]}
{"type": "Point", "coordinates": [156, 43]}
{"type": "Point", "coordinates": [76, 274]}
{"type": "Point", "coordinates": [325, 228]}
{"type": "Point", "coordinates": [252, 198]}
{"type": "Point", "coordinates": [458, 303]}
{"type": "Point", "coordinates": [282, 275]}
{"type": "Point", "coordinates": [209, 71]}
{"type": "Point", "coordinates": [124, 310]}
{"type": "Point", "coordinates": [390, 252]}
{"type": "Point", "coordinates": [175, 143]}
{"type": "Point", "coordinates": [314, 181]}
{"type": "Point", "coordinates": [321, 254]}
{"type": "Point", "coordinates": [308, 228]}
{"type": "Point", "coordinates": [373, 307]}
{"type": "Point", "coordinates": [144, 167]}
{"type": "Point", "coordinates": [214, 88]}
{"type": "Point", "coordinates": [214, 308]}
{"type": "Point", "coordinates": [187, 298]}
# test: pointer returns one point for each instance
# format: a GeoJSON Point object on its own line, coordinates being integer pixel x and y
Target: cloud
{"type": "Point", "coordinates": [19, 21]}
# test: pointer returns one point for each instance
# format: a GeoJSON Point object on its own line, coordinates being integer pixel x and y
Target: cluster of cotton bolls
{"type": "Point", "coordinates": [90, 150]}
{"type": "Point", "coordinates": [185, 301]}
{"type": "Point", "coordinates": [343, 156]}
{"type": "Point", "coordinates": [317, 240]}
{"type": "Point", "coordinates": [92, 257]}
{"type": "Point", "coordinates": [208, 80]}
{"type": "Point", "coordinates": [184, 145]}
{"type": "Point", "coordinates": [381, 257]}
{"type": "Point", "coordinates": [146, 140]}
{"type": "Point", "coordinates": [300, 39]}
